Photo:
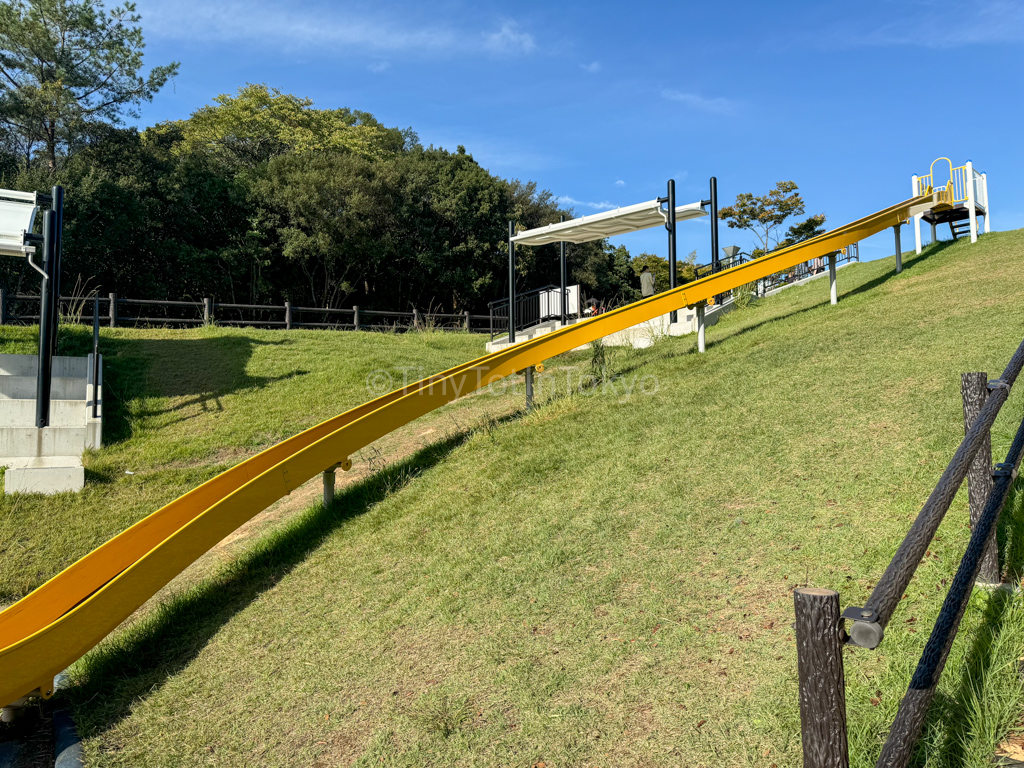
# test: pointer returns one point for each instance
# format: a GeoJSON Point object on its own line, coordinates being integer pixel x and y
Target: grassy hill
{"type": "Point", "coordinates": [604, 581]}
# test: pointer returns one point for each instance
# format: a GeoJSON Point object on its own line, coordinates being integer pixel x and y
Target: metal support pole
{"type": "Point", "coordinates": [819, 658]}
{"type": "Point", "coordinates": [833, 291]}
{"type": "Point", "coordinates": [700, 327]}
{"type": "Point", "coordinates": [670, 225]}
{"type": "Point", "coordinates": [899, 250]}
{"type": "Point", "coordinates": [95, 356]}
{"type": "Point", "coordinates": [329, 486]}
{"type": "Point", "coordinates": [511, 284]}
{"type": "Point", "coordinates": [355, 316]}
{"type": "Point", "coordinates": [113, 310]}
{"type": "Point", "coordinates": [935, 233]}
{"type": "Point", "coordinates": [563, 273]}
{"type": "Point", "coordinates": [57, 206]}
{"type": "Point", "coordinates": [45, 360]}
{"type": "Point", "coordinates": [287, 315]}
{"type": "Point", "coordinates": [974, 390]}
{"type": "Point", "coordinates": [716, 264]}
{"type": "Point", "coordinates": [529, 389]}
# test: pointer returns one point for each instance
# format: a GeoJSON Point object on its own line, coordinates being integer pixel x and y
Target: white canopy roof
{"type": "Point", "coordinates": [621, 221]}
{"type": "Point", "coordinates": [17, 214]}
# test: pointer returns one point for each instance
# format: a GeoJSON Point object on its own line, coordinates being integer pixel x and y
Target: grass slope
{"type": "Point", "coordinates": [606, 580]}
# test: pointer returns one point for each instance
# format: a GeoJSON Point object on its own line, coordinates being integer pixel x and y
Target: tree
{"type": "Point", "coordinates": [763, 215]}
{"type": "Point", "coordinates": [66, 65]}
{"type": "Point", "coordinates": [259, 123]}
{"type": "Point", "coordinates": [805, 230]}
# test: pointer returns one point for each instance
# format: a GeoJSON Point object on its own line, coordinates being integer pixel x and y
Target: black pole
{"type": "Point", "coordinates": [670, 225]}
{"type": "Point", "coordinates": [564, 279]}
{"type": "Point", "coordinates": [57, 206]}
{"type": "Point", "coordinates": [716, 264]}
{"type": "Point", "coordinates": [95, 356]}
{"type": "Point", "coordinates": [511, 284]}
{"type": "Point", "coordinates": [45, 318]}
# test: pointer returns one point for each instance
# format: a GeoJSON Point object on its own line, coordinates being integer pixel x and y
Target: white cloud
{"type": "Point", "coordinates": [592, 68]}
{"type": "Point", "coordinates": [620, 183]}
{"type": "Point", "coordinates": [940, 24]}
{"type": "Point", "coordinates": [509, 39]}
{"type": "Point", "coordinates": [379, 66]}
{"type": "Point", "coordinates": [717, 105]}
{"type": "Point", "coordinates": [280, 25]}
{"type": "Point", "coordinates": [602, 206]}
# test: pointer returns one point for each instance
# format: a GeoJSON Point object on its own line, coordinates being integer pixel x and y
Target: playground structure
{"type": "Point", "coordinates": [966, 199]}
{"type": "Point", "coordinates": [61, 620]}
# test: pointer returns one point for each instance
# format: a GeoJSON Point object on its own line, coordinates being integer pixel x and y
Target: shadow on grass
{"type": "Point", "coordinates": [136, 661]}
{"type": "Point", "coordinates": [191, 371]}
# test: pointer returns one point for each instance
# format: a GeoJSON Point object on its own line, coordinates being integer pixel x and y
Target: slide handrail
{"type": "Point", "coordinates": [52, 627]}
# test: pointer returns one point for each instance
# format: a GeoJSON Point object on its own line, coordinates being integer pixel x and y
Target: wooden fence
{"type": "Point", "coordinates": [821, 627]}
{"type": "Point", "coordinates": [120, 312]}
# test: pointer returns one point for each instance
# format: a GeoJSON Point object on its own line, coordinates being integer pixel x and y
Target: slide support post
{"type": "Point", "coordinates": [329, 485]}
{"type": "Point", "coordinates": [833, 292]}
{"type": "Point", "coordinates": [700, 327]}
{"type": "Point", "coordinates": [917, 217]}
{"type": "Point", "coordinates": [899, 249]}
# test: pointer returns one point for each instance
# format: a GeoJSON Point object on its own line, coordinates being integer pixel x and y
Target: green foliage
{"type": "Point", "coordinates": [805, 230]}
{"type": "Point", "coordinates": [68, 66]}
{"type": "Point", "coordinates": [259, 123]}
{"type": "Point", "coordinates": [763, 215]}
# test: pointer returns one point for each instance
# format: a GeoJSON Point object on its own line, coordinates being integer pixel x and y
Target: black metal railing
{"type": "Point", "coordinates": [21, 309]}
{"type": "Point", "coordinates": [820, 630]}
{"type": "Point", "coordinates": [531, 308]}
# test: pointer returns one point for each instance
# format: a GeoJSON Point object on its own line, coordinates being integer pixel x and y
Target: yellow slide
{"type": "Point", "coordinates": [56, 624]}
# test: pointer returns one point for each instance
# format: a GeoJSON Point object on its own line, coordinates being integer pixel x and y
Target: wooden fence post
{"type": "Point", "coordinates": [467, 319]}
{"type": "Point", "coordinates": [974, 391]}
{"type": "Point", "coordinates": [113, 310]}
{"type": "Point", "coordinates": [207, 310]}
{"type": "Point", "coordinates": [287, 315]}
{"type": "Point", "coordinates": [3, 306]}
{"type": "Point", "coordinates": [355, 316]}
{"type": "Point", "coordinates": [819, 657]}
{"type": "Point", "coordinates": [416, 318]}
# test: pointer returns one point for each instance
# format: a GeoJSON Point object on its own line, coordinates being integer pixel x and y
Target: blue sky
{"type": "Point", "coordinates": [603, 102]}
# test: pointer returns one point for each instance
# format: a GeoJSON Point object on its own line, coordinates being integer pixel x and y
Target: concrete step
{"type": "Point", "coordinates": [15, 387]}
{"type": "Point", "coordinates": [27, 365]}
{"type": "Point", "coordinates": [50, 441]}
{"type": "Point", "coordinates": [44, 474]}
{"type": "Point", "coordinates": [63, 413]}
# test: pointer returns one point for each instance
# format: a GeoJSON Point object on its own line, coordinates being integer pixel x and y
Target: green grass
{"type": "Point", "coordinates": [604, 581]}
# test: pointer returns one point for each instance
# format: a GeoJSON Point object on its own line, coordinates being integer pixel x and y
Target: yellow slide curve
{"type": "Point", "coordinates": [55, 625]}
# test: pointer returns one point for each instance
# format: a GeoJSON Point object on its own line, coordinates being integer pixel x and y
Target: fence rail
{"type": "Point", "coordinates": [22, 308]}
{"type": "Point", "coordinates": [820, 628]}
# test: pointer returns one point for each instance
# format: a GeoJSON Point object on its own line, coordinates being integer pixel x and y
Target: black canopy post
{"type": "Point", "coordinates": [716, 264]}
{"type": "Point", "coordinates": [47, 297]}
{"type": "Point", "coordinates": [57, 206]}
{"type": "Point", "coordinates": [670, 225]}
{"type": "Point", "coordinates": [564, 280]}
{"type": "Point", "coordinates": [511, 284]}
